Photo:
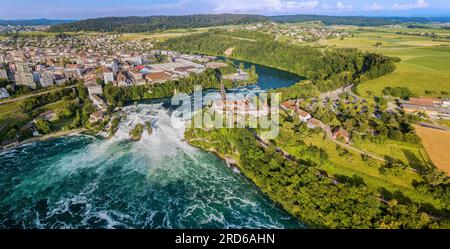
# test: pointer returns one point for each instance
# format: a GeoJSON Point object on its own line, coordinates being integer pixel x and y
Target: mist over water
{"type": "Point", "coordinates": [159, 182]}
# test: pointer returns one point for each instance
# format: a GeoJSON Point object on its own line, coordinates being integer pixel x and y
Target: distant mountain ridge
{"type": "Point", "coordinates": [356, 20]}
{"type": "Point", "coordinates": [136, 24]}
{"type": "Point", "coordinates": [33, 22]}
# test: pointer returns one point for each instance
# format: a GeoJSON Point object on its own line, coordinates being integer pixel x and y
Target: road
{"type": "Point", "coordinates": [334, 95]}
{"type": "Point", "coordinates": [329, 134]}
{"type": "Point", "coordinates": [434, 126]}
{"type": "Point", "coordinates": [20, 98]}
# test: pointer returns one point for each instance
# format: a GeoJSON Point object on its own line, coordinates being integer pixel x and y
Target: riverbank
{"type": "Point", "coordinates": [46, 137]}
{"type": "Point", "coordinates": [235, 165]}
{"type": "Point", "coordinates": [232, 160]}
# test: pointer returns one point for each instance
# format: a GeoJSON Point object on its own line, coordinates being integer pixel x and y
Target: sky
{"type": "Point", "coordinates": [82, 9]}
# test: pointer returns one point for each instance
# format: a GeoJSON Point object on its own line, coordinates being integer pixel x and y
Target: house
{"type": "Point", "coordinates": [121, 79]}
{"type": "Point", "coordinates": [135, 74]}
{"type": "Point", "coordinates": [94, 88]}
{"type": "Point", "coordinates": [60, 79]}
{"type": "Point", "coordinates": [108, 76]}
{"type": "Point", "coordinates": [89, 77]}
{"type": "Point", "coordinates": [341, 132]}
{"type": "Point", "coordinates": [304, 116]}
{"type": "Point", "coordinates": [48, 115]}
{"type": "Point", "coordinates": [425, 102]}
{"type": "Point", "coordinates": [158, 77]}
{"type": "Point", "coordinates": [47, 79]}
{"type": "Point", "coordinates": [216, 64]}
{"type": "Point", "coordinates": [97, 101]}
{"type": "Point", "coordinates": [239, 107]}
{"type": "Point", "coordinates": [72, 73]}
{"type": "Point", "coordinates": [429, 106]}
{"type": "Point", "coordinates": [184, 70]}
{"type": "Point", "coordinates": [289, 104]}
{"type": "Point", "coordinates": [4, 93]}
{"type": "Point", "coordinates": [314, 123]}
{"type": "Point", "coordinates": [97, 117]}
{"type": "Point", "coordinates": [24, 78]}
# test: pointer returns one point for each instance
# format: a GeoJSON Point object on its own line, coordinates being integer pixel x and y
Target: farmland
{"type": "Point", "coordinates": [425, 65]}
{"type": "Point", "coordinates": [437, 144]}
{"type": "Point", "coordinates": [163, 35]}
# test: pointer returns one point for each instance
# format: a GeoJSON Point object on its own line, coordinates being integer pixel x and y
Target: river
{"type": "Point", "coordinates": [159, 182]}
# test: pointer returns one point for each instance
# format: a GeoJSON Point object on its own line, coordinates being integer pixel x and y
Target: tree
{"type": "Point", "coordinates": [43, 126]}
{"type": "Point", "coordinates": [434, 177]}
{"type": "Point", "coordinates": [395, 135]}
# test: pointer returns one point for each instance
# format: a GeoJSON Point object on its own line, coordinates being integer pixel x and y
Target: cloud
{"type": "Point", "coordinates": [263, 6]}
{"type": "Point", "coordinates": [419, 4]}
{"type": "Point", "coordinates": [374, 7]}
{"type": "Point", "coordinates": [343, 7]}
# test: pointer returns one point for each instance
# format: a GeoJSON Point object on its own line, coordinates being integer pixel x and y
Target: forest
{"type": "Point", "coordinates": [327, 68]}
{"type": "Point", "coordinates": [352, 20]}
{"type": "Point", "coordinates": [309, 193]}
{"type": "Point", "coordinates": [136, 24]}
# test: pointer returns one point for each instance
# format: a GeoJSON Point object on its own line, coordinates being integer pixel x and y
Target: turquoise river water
{"type": "Point", "coordinates": [159, 182]}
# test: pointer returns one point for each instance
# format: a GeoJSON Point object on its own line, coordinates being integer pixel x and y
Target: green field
{"type": "Point", "coordinates": [353, 166]}
{"type": "Point", "coordinates": [425, 64]}
{"type": "Point", "coordinates": [161, 36]}
{"type": "Point", "coordinates": [11, 116]}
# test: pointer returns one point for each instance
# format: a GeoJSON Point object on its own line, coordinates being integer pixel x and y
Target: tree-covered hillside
{"type": "Point", "coordinates": [327, 68]}
{"type": "Point", "coordinates": [355, 20]}
{"type": "Point", "coordinates": [135, 24]}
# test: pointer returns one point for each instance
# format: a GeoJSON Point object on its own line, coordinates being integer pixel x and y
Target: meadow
{"type": "Point", "coordinates": [351, 166]}
{"type": "Point", "coordinates": [424, 66]}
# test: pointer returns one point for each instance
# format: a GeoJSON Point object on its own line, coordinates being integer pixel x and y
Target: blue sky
{"type": "Point", "coordinates": [79, 9]}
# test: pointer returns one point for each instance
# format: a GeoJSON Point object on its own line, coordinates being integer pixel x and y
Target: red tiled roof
{"type": "Point", "coordinates": [301, 112]}
{"type": "Point", "coordinates": [423, 101]}
{"type": "Point", "coordinates": [157, 76]}
{"type": "Point", "coordinates": [289, 103]}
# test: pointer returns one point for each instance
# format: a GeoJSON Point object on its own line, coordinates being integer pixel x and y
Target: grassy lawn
{"type": "Point", "coordinates": [410, 154]}
{"type": "Point", "coordinates": [11, 116]}
{"type": "Point", "coordinates": [425, 63]}
{"type": "Point", "coordinates": [445, 122]}
{"type": "Point", "coordinates": [52, 106]}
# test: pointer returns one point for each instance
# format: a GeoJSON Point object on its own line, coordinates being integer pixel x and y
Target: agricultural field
{"type": "Point", "coordinates": [161, 36]}
{"type": "Point", "coordinates": [425, 65]}
{"type": "Point", "coordinates": [437, 144]}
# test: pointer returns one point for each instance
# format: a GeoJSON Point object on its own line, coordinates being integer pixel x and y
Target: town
{"type": "Point", "coordinates": [32, 64]}
{"type": "Point", "coordinates": [303, 121]}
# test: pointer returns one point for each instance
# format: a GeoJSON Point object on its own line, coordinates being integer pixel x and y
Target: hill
{"type": "Point", "coordinates": [135, 24]}
{"type": "Point", "coordinates": [327, 69]}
